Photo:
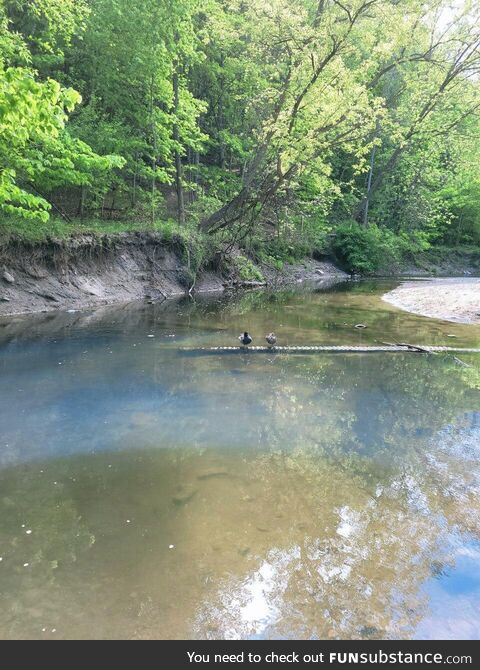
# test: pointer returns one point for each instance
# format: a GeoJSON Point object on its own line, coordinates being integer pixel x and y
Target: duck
{"type": "Point", "coordinates": [245, 339]}
{"type": "Point", "coordinates": [271, 339]}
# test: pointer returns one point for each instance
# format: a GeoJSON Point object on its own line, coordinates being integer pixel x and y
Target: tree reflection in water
{"type": "Point", "coordinates": [236, 496]}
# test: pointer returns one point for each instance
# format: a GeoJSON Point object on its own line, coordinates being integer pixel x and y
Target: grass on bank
{"type": "Point", "coordinates": [57, 228]}
{"type": "Point", "coordinates": [187, 242]}
{"type": "Point", "coordinates": [355, 249]}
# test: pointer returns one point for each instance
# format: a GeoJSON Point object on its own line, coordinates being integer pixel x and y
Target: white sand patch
{"type": "Point", "coordinates": [455, 299]}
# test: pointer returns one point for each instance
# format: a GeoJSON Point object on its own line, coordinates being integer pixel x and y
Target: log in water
{"type": "Point", "coordinates": [344, 349]}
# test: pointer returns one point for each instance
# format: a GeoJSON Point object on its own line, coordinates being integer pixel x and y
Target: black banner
{"type": "Point", "coordinates": [250, 654]}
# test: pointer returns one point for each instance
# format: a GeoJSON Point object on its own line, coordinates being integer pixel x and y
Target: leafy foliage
{"type": "Point", "coordinates": [271, 124]}
{"type": "Point", "coordinates": [246, 270]}
{"type": "Point", "coordinates": [365, 250]}
{"type": "Point", "coordinates": [36, 151]}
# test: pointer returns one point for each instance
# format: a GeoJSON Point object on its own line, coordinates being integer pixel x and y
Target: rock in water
{"type": "Point", "coordinates": [213, 472]}
{"type": "Point", "coordinates": [184, 494]}
{"type": "Point", "coordinates": [8, 277]}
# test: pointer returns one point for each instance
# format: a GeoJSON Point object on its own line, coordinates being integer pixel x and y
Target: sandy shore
{"type": "Point", "coordinates": [455, 299]}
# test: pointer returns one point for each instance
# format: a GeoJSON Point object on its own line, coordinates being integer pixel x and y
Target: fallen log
{"type": "Point", "coordinates": [341, 349]}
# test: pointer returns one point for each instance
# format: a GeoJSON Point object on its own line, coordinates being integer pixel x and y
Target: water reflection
{"type": "Point", "coordinates": [237, 496]}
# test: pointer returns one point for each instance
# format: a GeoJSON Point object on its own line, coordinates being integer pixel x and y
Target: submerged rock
{"type": "Point", "coordinates": [213, 472]}
{"type": "Point", "coordinates": [263, 529]}
{"type": "Point", "coordinates": [369, 631]}
{"type": "Point", "coordinates": [184, 495]}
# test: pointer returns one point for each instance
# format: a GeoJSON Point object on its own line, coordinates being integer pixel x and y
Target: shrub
{"type": "Point", "coordinates": [246, 270]}
{"type": "Point", "coordinates": [366, 250]}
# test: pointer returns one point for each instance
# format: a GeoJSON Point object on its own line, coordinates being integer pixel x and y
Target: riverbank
{"type": "Point", "coordinates": [450, 299]}
{"type": "Point", "coordinates": [438, 261]}
{"type": "Point", "coordinates": [89, 270]}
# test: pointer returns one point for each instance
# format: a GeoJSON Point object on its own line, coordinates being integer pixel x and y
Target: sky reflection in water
{"type": "Point", "coordinates": [238, 496]}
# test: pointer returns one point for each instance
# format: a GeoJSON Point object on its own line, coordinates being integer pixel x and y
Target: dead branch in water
{"type": "Point", "coordinates": [410, 347]}
{"type": "Point", "coordinates": [459, 361]}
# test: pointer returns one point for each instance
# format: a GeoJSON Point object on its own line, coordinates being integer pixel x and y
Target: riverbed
{"type": "Point", "coordinates": [147, 492]}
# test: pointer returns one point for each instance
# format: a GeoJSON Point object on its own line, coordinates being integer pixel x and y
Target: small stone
{"type": "Point", "coordinates": [184, 495]}
{"type": "Point", "coordinates": [10, 279]}
{"type": "Point", "coordinates": [28, 532]}
{"type": "Point", "coordinates": [171, 546]}
{"type": "Point", "coordinates": [213, 472]}
{"type": "Point", "coordinates": [128, 520]}
{"type": "Point", "coordinates": [150, 335]}
{"type": "Point", "coordinates": [25, 565]}
{"type": "Point", "coordinates": [368, 631]}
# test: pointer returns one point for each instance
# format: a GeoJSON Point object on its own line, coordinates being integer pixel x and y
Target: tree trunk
{"type": "Point", "coordinates": [366, 199]}
{"type": "Point", "coordinates": [220, 118]}
{"type": "Point", "coordinates": [134, 190]}
{"type": "Point", "coordinates": [197, 173]}
{"type": "Point", "coordinates": [81, 207]}
{"type": "Point", "coordinates": [154, 153]}
{"type": "Point", "coordinates": [378, 181]}
{"type": "Point", "coordinates": [178, 158]}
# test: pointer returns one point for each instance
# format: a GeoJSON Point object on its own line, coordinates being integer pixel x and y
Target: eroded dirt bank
{"type": "Point", "coordinates": [90, 270]}
{"type": "Point", "coordinates": [451, 299]}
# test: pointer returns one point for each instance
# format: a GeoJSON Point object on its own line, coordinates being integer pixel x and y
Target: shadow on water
{"type": "Point", "coordinates": [146, 495]}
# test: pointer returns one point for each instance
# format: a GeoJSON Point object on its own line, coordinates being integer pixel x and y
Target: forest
{"type": "Point", "coordinates": [284, 128]}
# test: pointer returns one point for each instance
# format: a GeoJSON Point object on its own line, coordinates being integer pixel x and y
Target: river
{"type": "Point", "coordinates": [146, 493]}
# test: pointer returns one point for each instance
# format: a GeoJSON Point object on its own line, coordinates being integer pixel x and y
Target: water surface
{"type": "Point", "coordinates": [149, 494]}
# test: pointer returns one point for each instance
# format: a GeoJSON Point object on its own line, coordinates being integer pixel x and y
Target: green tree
{"type": "Point", "coordinates": [36, 151]}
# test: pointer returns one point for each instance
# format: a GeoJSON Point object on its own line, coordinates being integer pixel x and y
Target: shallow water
{"type": "Point", "coordinates": [149, 494]}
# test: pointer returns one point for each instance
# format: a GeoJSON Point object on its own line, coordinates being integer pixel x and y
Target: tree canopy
{"type": "Point", "coordinates": [279, 121]}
